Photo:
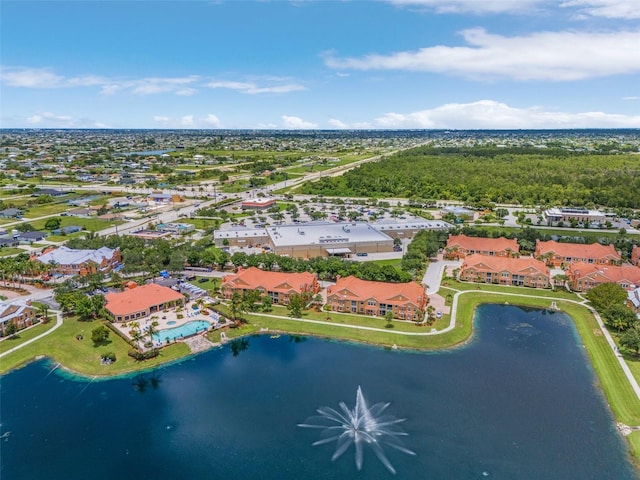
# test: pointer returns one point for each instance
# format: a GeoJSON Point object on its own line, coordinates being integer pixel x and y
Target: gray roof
{"type": "Point", "coordinates": [634, 297]}
{"type": "Point", "coordinates": [326, 234]}
{"type": "Point", "coordinates": [20, 303]}
{"type": "Point", "coordinates": [240, 233]}
{"type": "Point", "coordinates": [411, 224]}
{"type": "Point", "coordinates": [69, 256]}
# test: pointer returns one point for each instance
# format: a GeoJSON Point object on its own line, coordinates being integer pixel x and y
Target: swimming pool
{"type": "Point", "coordinates": [185, 330]}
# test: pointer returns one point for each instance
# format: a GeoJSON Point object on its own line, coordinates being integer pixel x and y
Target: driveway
{"type": "Point", "coordinates": [433, 275]}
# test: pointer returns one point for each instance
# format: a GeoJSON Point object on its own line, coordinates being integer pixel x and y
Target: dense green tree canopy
{"type": "Point", "coordinates": [522, 176]}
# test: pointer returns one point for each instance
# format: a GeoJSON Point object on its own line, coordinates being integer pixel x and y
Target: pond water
{"type": "Point", "coordinates": [518, 402]}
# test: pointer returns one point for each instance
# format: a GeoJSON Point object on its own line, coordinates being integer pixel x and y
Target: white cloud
{"type": "Point", "coordinates": [631, 98]}
{"type": "Point", "coordinates": [188, 121]}
{"type": "Point", "coordinates": [53, 120]}
{"type": "Point", "coordinates": [25, 77]}
{"type": "Point", "coordinates": [296, 123]}
{"type": "Point", "coordinates": [150, 86]}
{"type": "Point", "coordinates": [625, 9]}
{"type": "Point", "coordinates": [558, 56]}
{"type": "Point", "coordinates": [212, 120]}
{"type": "Point", "coordinates": [337, 123]}
{"type": "Point", "coordinates": [489, 114]}
{"type": "Point", "coordinates": [253, 89]}
{"type": "Point", "coordinates": [472, 6]}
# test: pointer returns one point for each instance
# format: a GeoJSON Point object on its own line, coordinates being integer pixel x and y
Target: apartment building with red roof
{"type": "Point", "coordinates": [635, 255]}
{"type": "Point", "coordinates": [459, 246]}
{"type": "Point", "coordinates": [584, 276]}
{"type": "Point", "coordinates": [278, 285]}
{"type": "Point", "coordinates": [407, 301]}
{"type": "Point", "coordinates": [556, 254]}
{"type": "Point", "coordinates": [522, 271]}
{"type": "Point", "coordinates": [140, 302]}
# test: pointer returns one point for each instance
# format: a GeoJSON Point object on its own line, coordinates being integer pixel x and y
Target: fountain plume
{"type": "Point", "coordinates": [359, 426]}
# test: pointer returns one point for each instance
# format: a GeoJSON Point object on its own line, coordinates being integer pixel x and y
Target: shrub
{"type": "Point", "coordinates": [179, 316]}
{"type": "Point", "coordinates": [140, 356]}
{"type": "Point", "coordinates": [109, 356]}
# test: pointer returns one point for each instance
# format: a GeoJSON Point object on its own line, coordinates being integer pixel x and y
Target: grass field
{"type": "Point", "coordinates": [82, 356]}
{"type": "Point", "coordinates": [6, 251]}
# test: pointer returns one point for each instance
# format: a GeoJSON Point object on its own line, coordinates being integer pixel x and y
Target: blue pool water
{"type": "Point", "coordinates": [182, 331]}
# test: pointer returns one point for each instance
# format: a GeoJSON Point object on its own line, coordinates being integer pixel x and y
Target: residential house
{"type": "Point", "coordinates": [556, 254]}
{"type": "Point", "coordinates": [584, 276]}
{"type": "Point", "coordinates": [278, 285]}
{"type": "Point", "coordinates": [67, 261]}
{"type": "Point", "coordinates": [459, 246]}
{"type": "Point", "coordinates": [19, 312]}
{"type": "Point", "coordinates": [29, 237]}
{"type": "Point", "coordinates": [523, 272]}
{"type": "Point", "coordinates": [634, 300]}
{"type": "Point", "coordinates": [407, 301]}
{"type": "Point", "coordinates": [11, 213]}
{"type": "Point", "coordinates": [142, 301]}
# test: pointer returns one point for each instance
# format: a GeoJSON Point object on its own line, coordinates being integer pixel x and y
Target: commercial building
{"type": "Point", "coordinates": [278, 285]}
{"type": "Point", "coordinates": [258, 203]}
{"type": "Point", "coordinates": [68, 261]}
{"type": "Point", "coordinates": [326, 239]}
{"type": "Point", "coordinates": [459, 246]}
{"type": "Point", "coordinates": [17, 312]}
{"type": "Point", "coordinates": [580, 215]}
{"type": "Point", "coordinates": [558, 254]}
{"type": "Point", "coordinates": [409, 228]}
{"type": "Point", "coordinates": [142, 301]}
{"type": "Point", "coordinates": [584, 276]}
{"type": "Point", "coordinates": [522, 272]}
{"type": "Point", "coordinates": [407, 301]}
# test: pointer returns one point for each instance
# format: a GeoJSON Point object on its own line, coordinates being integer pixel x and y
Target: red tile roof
{"type": "Point", "coordinates": [482, 244]}
{"type": "Point", "coordinates": [253, 278]}
{"type": "Point", "coordinates": [609, 273]}
{"type": "Point", "coordinates": [502, 264]}
{"type": "Point", "coordinates": [576, 250]}
{"type": "Point", "coordinates": [140, 298]}
{"type": "Point", "coordinates": [353, 288]}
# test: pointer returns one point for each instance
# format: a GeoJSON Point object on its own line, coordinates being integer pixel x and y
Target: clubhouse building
{"type": "Point", "coordinates": [142, 301]}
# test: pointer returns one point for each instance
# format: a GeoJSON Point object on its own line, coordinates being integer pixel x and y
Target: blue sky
{"type": "Point", "coordinates": [320, 64]}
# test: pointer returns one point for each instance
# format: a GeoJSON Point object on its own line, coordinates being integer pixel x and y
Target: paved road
{"type": "Point", "coordinates": [433, 275]}
{"type": "Point", "coordinates": [54, 328]}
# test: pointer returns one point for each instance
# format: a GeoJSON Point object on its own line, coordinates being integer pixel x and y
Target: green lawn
{"type": "Point", "coordinates": [212, 283]}
{"type": "Point", "coordinates": [483, 287]}
{"type": "Point", "coordinates": [6, 251]}
{"type": "Point", "coordinates": [201, 223]}
{"type": "Point", "coordinates": [24, 335]}
{"type": "Point", "coordinates": [82, 356]}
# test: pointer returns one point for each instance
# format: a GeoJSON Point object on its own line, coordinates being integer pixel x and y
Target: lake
{"type": "Point", "coordinates": [519, 401]}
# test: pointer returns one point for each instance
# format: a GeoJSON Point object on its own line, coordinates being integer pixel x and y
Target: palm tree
{"type": "Point", "coordinates": [152, 330]}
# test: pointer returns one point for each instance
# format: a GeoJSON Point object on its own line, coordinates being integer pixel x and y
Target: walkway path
{"type": "Point", "coordinates": [198, 343]}
{"type": "Point", "coordinates": [55, 327]}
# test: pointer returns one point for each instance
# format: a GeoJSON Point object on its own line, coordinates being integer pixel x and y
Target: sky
{"type": "Point", "coordinates": [318, 64]}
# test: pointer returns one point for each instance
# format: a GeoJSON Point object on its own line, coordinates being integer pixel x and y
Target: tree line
{"type": "Point", "coordinates": [519, 176]}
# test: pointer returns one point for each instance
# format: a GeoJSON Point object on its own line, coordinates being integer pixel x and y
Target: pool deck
{"type": "Point", "coordinates": [169, 319]}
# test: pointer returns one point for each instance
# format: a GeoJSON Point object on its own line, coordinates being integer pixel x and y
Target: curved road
{"type": "Point", "coordinates": [55, 327]}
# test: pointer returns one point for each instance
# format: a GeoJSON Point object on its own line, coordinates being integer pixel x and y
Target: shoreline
{"type": "Point", "coordinates": [625, 410]}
